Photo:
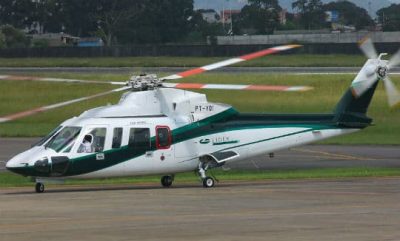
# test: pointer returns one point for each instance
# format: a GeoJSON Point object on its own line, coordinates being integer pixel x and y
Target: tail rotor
{"type": "Point", "coordinates": [391, 92]}
{"type": "Point", "coordinates": [376, 69]}
{"type": "Point", "coordinates": [395, 61]}
{"type": "Point", "coordinates": [367, 47]}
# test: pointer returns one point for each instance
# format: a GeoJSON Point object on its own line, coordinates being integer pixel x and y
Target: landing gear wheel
{"type": "Point", "coordinates": [166, 181]}
{"type": "Point", "coordinates": [39, 188]}
{"type": "Point", "coordinates": [208, 182]}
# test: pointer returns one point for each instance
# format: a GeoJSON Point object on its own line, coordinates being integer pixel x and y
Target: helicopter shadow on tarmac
{"type": "Point", "coordinates": [182, 186]}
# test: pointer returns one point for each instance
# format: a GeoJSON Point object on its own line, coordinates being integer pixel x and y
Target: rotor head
{"type": "Point", "coordinates": [144, 82]}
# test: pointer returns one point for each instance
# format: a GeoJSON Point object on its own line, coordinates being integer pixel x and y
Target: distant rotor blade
{"type": "Point", "coordinates": [54, 106]}
{"type": "Point", "coordinates": [368, 48]}
{"type": "Point", "coordinates": [236, 87]}
{"type": "Point", "coordinates": [394, 61]}
{"type": "Point", "coordinates": [230, 62]}
{"type": "Point", "coordinates": [392, 93]}
{"type": "Point", "coordinates": [31, 78]}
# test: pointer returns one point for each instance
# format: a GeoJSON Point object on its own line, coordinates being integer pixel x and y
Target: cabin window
{"type": "Point", "coordinates": [139, 139]}
{"type": "Point", "coordinates": [163, 140]}
{"type": "Point", "coordinates": [117, 138]}
{"type": "Point", "coordinates": [93, 141]}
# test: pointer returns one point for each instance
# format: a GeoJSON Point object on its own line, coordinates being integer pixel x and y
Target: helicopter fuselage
{"type": "Point", "coordinates": [165, 131]}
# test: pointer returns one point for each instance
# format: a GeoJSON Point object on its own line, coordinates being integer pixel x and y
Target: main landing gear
{"type": "Point", "coordinates": [207, 181]}
{"type": "Point", "coordinates": [39, 187]}
{"type": "Point", "coordinates": [166, 181]}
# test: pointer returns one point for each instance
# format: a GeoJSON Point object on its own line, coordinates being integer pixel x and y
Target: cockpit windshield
{"type": "Point", "coordinates": [46, 138]}
{"type": "Point", "coordinates": [65, 137]}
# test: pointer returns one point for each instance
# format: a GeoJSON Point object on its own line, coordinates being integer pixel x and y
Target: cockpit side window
{"type": "Point", "coordinates": [93, 141]}
{"type": "Point", "coordinates": [117, 138]}
{"type": "Point", "coordinates": [139, 139]}
{"type": "Point", "coordinates": [63, 138]}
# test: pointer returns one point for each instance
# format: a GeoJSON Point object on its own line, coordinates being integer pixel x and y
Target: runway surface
{"type": "Point", "coordinates": [131, 70]}
{"type": "Point", "coordinates": [311, 156]}
{"type": "Point", "coordinates": [346, 209]}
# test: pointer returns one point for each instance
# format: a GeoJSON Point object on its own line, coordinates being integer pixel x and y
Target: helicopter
{"type": "Point", "coordinates": [161, 128]}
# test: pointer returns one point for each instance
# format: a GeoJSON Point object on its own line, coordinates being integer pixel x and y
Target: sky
{"type": "Point", "coordinates": [238, 4]}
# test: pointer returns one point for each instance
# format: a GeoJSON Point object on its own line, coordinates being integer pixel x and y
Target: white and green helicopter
{"type": "Point", "coordinates": [160, 129]}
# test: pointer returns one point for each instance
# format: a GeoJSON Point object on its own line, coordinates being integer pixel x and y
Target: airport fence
{"type": "Point", "coordinates": [184, 50]}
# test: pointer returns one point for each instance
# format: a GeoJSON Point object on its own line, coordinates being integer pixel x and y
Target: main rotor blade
{"type": "Point", "coordinates": [392, 93]}
{"type": "Point", "coordinates": [236, 87]}
{"type": "Point", "coordinates": [23, 114]}
{"type": "Point", "coordinates": [230, 62]}
{"type": "Point", "coordinates": [394, 61]}
{"type": "Point", "coordinates": [31, 78]}
{"type": "Point", "coordinates": [368, 48]}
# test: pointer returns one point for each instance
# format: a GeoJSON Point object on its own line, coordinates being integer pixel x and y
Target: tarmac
{"type": "Point", "coordinates": [346, 209]}
{"type": "Point", "coordinates": [323, 209]}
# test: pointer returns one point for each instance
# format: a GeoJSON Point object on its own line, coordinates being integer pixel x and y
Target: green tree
{"type": "Point", "coordinates": [350, 14]}
{"type": "Point", "coordinates": [200, 29]}
{"type": "Point", "coordinates": [312, 13]}
{"type": "Point", "coordinates": [17, 13]}
{"type": "Point", "coordinates": [115, 21]}
{"type": "Point", "coordinates": [79, 17]}
{"type": "Point", "coordinates": [389, 17]}
{"type": "Point", "coordinates": [46, 15]}
{"type": "Point", "coordinates": [158, 21]}
{"type": "Point", "coordinates": [14, 38]}
{"type": "Point", "coordinates": [2, 40]}
{"type": "Point", "coordinates": [52, 16]}
{"type": "Point", "coordinates": [266, 4]}
{"type": "Point", "coordinates": [260, 15]}
{"type": "Point", "coordinates": [111, 15]}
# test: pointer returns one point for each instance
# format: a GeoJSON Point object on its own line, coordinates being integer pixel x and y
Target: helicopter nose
{"type": "Point", "coordinates": [11, 164]}
{"type": "Point", "coordinates": [17, 166]}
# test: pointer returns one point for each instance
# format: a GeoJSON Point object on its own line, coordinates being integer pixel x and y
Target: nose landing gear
{"type": "Point", "coordinates": [207, 181]}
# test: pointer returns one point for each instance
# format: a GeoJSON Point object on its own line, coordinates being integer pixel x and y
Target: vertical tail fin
{"type": "Point", "coordinates": [349, 103]}
{"type": "Point", "coordinates": [353, 106]}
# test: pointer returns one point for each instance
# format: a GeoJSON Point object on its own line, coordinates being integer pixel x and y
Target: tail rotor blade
{"type": "Point", "coordinates": [26, 113]}
{"type": "Point", "coordinates": [392, 93]}
{"type": "Point", "coordinates": [395, 60]}
{"type": "Point", "coordinates": [368, 48]}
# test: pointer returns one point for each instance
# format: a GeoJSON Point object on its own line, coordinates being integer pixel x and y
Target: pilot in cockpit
{"type": "Point", "coordinates": [86, 146]}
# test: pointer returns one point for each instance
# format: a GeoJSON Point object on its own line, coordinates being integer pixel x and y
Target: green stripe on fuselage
{"type": "Point", "coordinates": [229, 120]}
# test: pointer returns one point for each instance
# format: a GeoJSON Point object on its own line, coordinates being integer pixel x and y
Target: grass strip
{"type": "Point", "coordinates": [12, 180]}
